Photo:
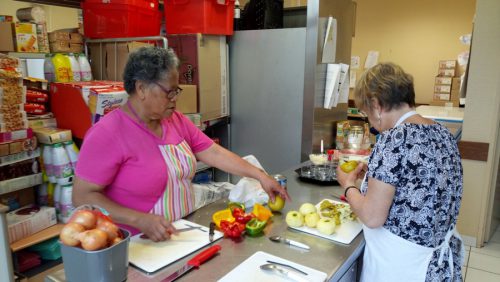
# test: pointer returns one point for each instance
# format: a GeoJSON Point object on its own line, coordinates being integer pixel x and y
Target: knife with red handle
{"type": "Point", "coordinates": [196, 261]}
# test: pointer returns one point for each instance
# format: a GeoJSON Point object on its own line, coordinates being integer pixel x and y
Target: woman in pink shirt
{"type": "Point", "coordinates": [138, 161]}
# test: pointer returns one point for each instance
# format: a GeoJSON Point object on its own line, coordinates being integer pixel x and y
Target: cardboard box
{"type": "Point", "coordinates": [26, 37]}
{"type": "Point", "coordinates": [204, 63]}
{"type": "Point", "coordinates": [5, 18]}
{"type": "Point", "coordinates": [7, 34]}
{"type": "Point", "coordinates": [447, 64]}
{"type": "Point", "coordinates": [105, 100]}
{"type": "Point", "coordinates": [44, 122]}
{"type": "Point", "coordinates": [455, 84]}
{"type": "Point", "coordinates": [59, 36]}
{"type": "Point", "coordinates": [27, 221]}
{"type": "Point", "coordinates": [442, 89]}
{"type": "Point", "coordinates": [187, 102]}
{"type": "Point", "coordinates": [103, 59]}
{"type": "Point", "coordinates": [443, 80]}
{"type": "Point", "coordinates": [52, 135]}
{"type": "Point", "coordinates": [42, 38]}
{"type": "Point", "coordinates": [24, 145]}
{"type": "Point", "coordinates": [441, 96]}
{"type": "Point", "coordinates": [447, 72]}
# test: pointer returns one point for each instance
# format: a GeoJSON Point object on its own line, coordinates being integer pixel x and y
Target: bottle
{"type": "Point", "coordinates": [48, 160]}
{"type": "Point", "coordinates": [48, 68]}
{"type": "Point", "coordinates": [85, 71]}
{"type": "Point", "coordinates": [42, 194]}
{"type": "Point", "coordinates": [72, 152]}
{"type": "Point", "coordinates": [237, 15]}
{"type": "Point", "coordinates": [50, 194]}
{"type": "Point", "coordinates": [62, 165]}
{"type": "Point", "coordinates": [65, 203]}
{"type": "Point", "coordinates": [57, 201]}
{"type": "Point", "coordinates": [75, 67]}
{"type": "Point", "coordinates": [62, 68]}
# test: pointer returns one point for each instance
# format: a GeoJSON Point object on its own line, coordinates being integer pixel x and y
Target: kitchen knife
{"type": "Point", "coordinates": [211, 232]}
{"type": "Point", "coordinates": [196, 261]}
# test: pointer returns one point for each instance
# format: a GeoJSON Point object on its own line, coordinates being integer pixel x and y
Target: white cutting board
{"type": "Point", "coordinates": [249, 270]}
{"type": "Point", "coordinates": [344, 233]}
{"type": "Point", "coordinates": [151, 256]}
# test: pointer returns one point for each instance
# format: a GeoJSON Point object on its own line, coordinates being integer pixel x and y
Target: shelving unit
{"type": "Point", "coordinates": [36, 238]}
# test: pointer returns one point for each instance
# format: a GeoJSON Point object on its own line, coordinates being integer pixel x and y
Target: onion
{"type": "Point", "coordinates": [85, 218]}
{"type": "Point", "coordinates": [116, 241]}
{"type": "Point", "coordinates": [93, 239]}
{"type": "Point", "coordinates": [110, 228]}
{"type": "Point", "coordinates": [70, 234]}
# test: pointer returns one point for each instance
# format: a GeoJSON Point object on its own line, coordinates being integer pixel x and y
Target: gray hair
{"type": "Point", "coordinates": [148, 64]}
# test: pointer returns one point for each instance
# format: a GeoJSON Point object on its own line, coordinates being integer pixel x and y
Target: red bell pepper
{"type": "Point", "coordinates": [242, 217]}
{"type": "Point", "coordinates": [232, 229]}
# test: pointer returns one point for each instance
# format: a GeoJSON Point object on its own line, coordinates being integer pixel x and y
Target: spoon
{"type": "Point", "coordinates": [281, 271]}
{"type": "Point", "coordinates": [280, 239]}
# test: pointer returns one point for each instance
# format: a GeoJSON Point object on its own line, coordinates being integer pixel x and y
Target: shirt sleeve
{"type": "Point", "coordinates": [197, 140]}
{"type": "Point", "coordinates": [387, 160]}
{"type": "Point", "coordinates": [100, 156]}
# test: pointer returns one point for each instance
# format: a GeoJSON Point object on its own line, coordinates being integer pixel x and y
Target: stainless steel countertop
{"type": "Point", "coordinates": [325, 255]}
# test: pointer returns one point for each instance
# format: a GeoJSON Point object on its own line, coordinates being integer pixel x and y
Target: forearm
{"type": "Point", "coordinates": [118, 213]}
{"type": "Point", "coordinates": [227, 161]}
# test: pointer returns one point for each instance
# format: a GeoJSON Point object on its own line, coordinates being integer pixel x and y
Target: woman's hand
{"type": "Point", "coordinates": [272, 187]}
{"type": "Point", "coordinates": [349, 179]}
{"type": "Point", "coordinates": [156, 227]}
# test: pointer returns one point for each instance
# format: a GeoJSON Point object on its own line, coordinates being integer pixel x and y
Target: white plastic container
{"type": "Point", "coordinates": [48, 162]}
{"type": "Point", "coordinates": [42, 194]}
{"type": "Point", "coordinates": [48, 69]}
{"type": "Point", "coordinates": [85, 70]}
{"type": "Point", "coordinates": [72, 152]}
{"type": "Point", "coordinates": [75, 67]}
{"type": "Point", "coordinates": [62, 165]}
{"type": "Point", "coordinates": [65, 202]}
{"type": "Point", "coordinates": [57, 201]}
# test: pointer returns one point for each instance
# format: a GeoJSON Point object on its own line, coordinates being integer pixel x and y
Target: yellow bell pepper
{"type": "Point", "coordinates": [222, 215]}
{"type": "Point", "coordinates": [261, 213]}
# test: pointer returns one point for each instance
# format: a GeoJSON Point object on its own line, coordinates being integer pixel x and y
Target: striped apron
{"type": "Point", "coordinates": [177, 200]}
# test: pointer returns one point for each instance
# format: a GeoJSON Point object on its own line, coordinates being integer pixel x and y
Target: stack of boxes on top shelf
{"type": "Point", "coordinates": [447, 85]}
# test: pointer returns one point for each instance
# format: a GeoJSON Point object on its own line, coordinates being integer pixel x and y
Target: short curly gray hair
{"type": "Point", "coordinates": [148, 64]}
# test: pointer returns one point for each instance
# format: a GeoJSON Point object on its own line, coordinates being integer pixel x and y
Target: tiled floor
{"type": "Point", "coordinates": [483, 264]}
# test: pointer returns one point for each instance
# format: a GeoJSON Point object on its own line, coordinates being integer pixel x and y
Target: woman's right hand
{"type": "Point", "coordinates": [156, 227]}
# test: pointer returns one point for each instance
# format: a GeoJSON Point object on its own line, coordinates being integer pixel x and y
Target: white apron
{"type": "Point", "coordinates": [388, 257]}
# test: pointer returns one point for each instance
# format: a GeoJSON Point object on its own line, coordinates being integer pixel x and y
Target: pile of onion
{"type": "Point", "coordinates": [90, 230]}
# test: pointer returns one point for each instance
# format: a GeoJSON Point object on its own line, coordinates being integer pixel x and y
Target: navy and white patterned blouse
{"type": "Point", "coordinates": [422, 162]}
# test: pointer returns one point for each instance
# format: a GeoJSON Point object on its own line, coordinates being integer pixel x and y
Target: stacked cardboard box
{"type": "Point", "coordinates": [65, 42]}
{"type": "Point", "coordinates": [447, 84]}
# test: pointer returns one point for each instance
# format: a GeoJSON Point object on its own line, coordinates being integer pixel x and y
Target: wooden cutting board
{"type": "Point", "coordinates": [151, 256]}
{"type": "Point", "coordinates": [249, 270]}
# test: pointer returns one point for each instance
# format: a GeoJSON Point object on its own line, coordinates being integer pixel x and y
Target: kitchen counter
{"type": "Point", "coordinates": [325, 255]}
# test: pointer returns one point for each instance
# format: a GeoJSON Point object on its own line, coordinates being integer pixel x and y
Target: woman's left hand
{"type": "Point", "coordinates": [349, 179]}
{"type": "Point", "coordinates": [272, 187]}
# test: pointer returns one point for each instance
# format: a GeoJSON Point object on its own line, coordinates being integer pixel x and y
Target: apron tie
{"type": "Point", "coordinates": [445, 246]}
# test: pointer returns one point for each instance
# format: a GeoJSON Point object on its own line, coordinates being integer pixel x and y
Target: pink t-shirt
{"type": "Point", "coordinates": [122, 155]}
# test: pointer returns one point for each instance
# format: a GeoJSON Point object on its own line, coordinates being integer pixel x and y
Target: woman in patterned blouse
{"type": "Point", "coordinates": [410, 195]}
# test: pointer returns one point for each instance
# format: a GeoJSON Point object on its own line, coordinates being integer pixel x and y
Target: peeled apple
{"type": "Point", "coordinates": [349, 166]}
{"type": "Point", "coordinates": [306, 208]}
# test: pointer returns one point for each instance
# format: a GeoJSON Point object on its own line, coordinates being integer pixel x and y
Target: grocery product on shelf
{"type": "Point", "coordinates": [62, 165]}
{"type": "Point", "coordinates": [85, 70]}
{"type": "Point", "coordinates": [75, 67]}
{"type": "Point", "coordinates": [48, 69]}
{"type": "Point", "coordinates": [62, 67]}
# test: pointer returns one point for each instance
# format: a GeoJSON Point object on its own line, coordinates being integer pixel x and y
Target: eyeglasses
{"type": "Point", "coordinates": [171, 93]}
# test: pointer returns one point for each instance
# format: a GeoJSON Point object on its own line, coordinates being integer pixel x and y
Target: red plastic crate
{"type": "Point", "coordinates": [121, 18]}
{"type": "Point", "coordinates": [199, 16]}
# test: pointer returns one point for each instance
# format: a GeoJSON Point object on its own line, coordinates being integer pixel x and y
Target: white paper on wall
{"type": "Point", "coordinates": [352, 78]}
{"type": "Point", "coordinates": [371, 59]}
{"type": "Point", "coordinates": [355, 62]}
{"type": "Point", "coordinates": [330, 42]}
{"type": "Point", "coordinates": [332, 82]}
{"type": "Point", "coordinates": [343, 88]}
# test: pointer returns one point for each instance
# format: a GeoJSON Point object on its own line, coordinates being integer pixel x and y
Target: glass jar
{"type": "Point", "coordinates": [355, 137]}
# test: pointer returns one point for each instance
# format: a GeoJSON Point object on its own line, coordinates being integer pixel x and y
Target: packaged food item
{"type": "Point", "coordinates": [62, 68]}
{"type": "Point", "coordinates": [75, 67]}
{"type": "Point", "coordinates": [26, 37]}
{"type": "Point", "coordinates": [35, 109]}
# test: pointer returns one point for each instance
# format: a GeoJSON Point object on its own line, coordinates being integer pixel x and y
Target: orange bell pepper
{"type": "Point", "coordinates": [261, 213]}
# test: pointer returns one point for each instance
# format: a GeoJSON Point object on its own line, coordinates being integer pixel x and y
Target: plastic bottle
{"type": "Point", "coordinates": [75, 67]}
{"type": "Point", "coordinates": [62, 68]}
{"type": "Point", "coordinates": [65, 203]}
{"type": "Point", "coordinates": [62, 165]}
{"type": "Point", "coordinates": [50, 193]}
{"type": "Point", "coordinates": [57, 201]}
{"type": "Point", "coordinates": [42, 194]}
{"type": "Point", "coordinates": [72, 152]}
{"type": "Point", "coordinates": [48, 68]}
{"type": "Point", "coordinates": [85, 70]}
{"type": "Point", "coordinates": [237, 14]}
{"type": "Point", "coordinates": [48, 160]}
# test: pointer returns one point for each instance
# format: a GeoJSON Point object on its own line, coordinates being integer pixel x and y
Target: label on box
{"type": "Point", "coordinates": [446, 72]}
{"type": "Point", "coordinates": [447, 64]}
{"type": "Point", "coordinates": [443, 80]}
{"type": "Point", "coordinates": [26, 37]}
{"type": "Point", "coordinates": [445, 97]}
{"type": "Point", "coordinates": [442, 88]}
